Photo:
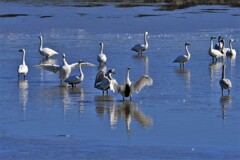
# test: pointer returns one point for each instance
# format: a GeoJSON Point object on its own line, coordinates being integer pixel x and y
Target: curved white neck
{"type": "Point", "coordinates": [101, 49]}
{"type": "Point", "coordinates": [23, 58]}
{"type": "Point", "coordinates": [128, 78]}
{"type": "Point", "coordinates": [187, 51]}
{"type": "Point", "coordinates": [230, 45]}
{"type": "Point", "coordinates": [145, 40]}
{"type": "Point", "coordinates": [211, 44]}
{"type": "Point", "coordinates": [64, 61]}
{"type": "Point", "coordinates": [81, 72]}
{"type": "Point", "coordinates": [41, 43]}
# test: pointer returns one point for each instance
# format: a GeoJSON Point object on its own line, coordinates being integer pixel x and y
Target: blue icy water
{"type": "Point", "coordinates": [181, 116]}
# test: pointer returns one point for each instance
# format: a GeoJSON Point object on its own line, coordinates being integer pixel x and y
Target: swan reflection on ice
{"type": "Point", "coordinates": [225, 102]}
{"type": "Point", "coordinates": [186, 73]}
{"type": "Point", "coordinates": [23, 92]}
{"type": "Point", "coordinates": [127, 110]}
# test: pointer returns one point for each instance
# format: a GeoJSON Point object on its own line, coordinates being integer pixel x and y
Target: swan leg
{"type": "Point", "coordinates": [103, 93]}
{"type": "Point", "coordinates": [107, 92]}
{"type": "Point", "coordinates": [228, 91]}
{"type": "Point", "coordinates": [222, 91]}
{"type": "Point", "coordinates": [123, 99]}
{"type": "Point", "coordinates": [18, 76]}
{"type": "Point", "coordinates": [130, 97]}
{"type": "Point", "coordinates": [24, 77]}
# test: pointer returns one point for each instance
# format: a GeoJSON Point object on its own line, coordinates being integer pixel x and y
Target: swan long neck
{"type": "Point", "coordinates": [211, 44]}
{"type": "Point", "coordinates": [145, 40]}
{"type": "Point", "coordinates": [187, 51]}
{"type": "Point", "coordinates": [101, 49]}
{"type": "Point", "coordinates": [80, 71]}
{"type": "Point", "coordinates": [230, 45]}
{"type": "Point", "coordinates": [41, 43]}
{"type": "Point", "coordinates": [127, 77]}
{"type": "Point", "coordinates": [223, 72]}
{"type": "Point", "coordinates": [64, 61]}
{"type": "Point", "coordinates": [23, 57]}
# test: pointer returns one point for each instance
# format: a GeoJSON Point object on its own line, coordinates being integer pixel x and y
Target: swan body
{"type": "Point", "coordinates": [22, 68]}
{"type": "Point", "coordinates": [224, 82]}
{"type": "Point", "coordinates": [127, 89]}
{"type": "Point", "coordinates": [213, 52]}
{"type": "Point", "coordinates": [231, 51]}
{"type": "Point", "coordinates": [183, 58]}
{"type": "Point", "coordinates": [47, 52]}
{"type": "Point", "coordinates": [73, 80]}
{"type": "Point", "coordinates": [64, 69]}
{"type": "Point", "coordinates": [139, 48]}
{"type": "Point", "coordinates": [219, 45]}
{"type": "Point", "coordinates": [101, 58]}
{"type": "Point", "coordinates": [104, 81]}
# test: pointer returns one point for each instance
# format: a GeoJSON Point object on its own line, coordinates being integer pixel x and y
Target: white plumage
{"type": "Point", "coordinates": [22, 68]}
{"type": "Point", "coordinates": [127, 89]}
{"type": "Point", "coordinates": [231, 51]}
{"type": "Point", "coordinates": [75, 79]}
{"type": "Point", "coordinates": [64, 69]}
{"type": "Point", "coordinates": [224, 82]}
{"type": "Point", "coordinates": [213, 52]}
{"type": "Point", "coordinates": [101, 58]}
{"type": "Point", "coordinates": [47, 52]}
{"type": "Point", "coordinates": [139, 48]}
{"type": "Point", "coordinates": [183, 58]}
{"type": "Point", "coordinates": [223, 49]}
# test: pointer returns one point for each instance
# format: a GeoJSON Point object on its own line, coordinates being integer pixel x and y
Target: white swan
{"type": "Point", "coordinates": [73, 80]}
{"type": "Point", "coordinates": [183, 58]}
{"type": "Point", "coordinates": [64, 69]}
{"type": "Point", "coordinates": [127, 89]}
{"type": "Point", "coordinates": [22, 68]}
{"type": "Point", "coordinates": [223, 49]}
{"type": "Point", "coordinates": [101, 58]}
{"type": "Point", "coordinates": [139, 48]}
{"type": "Point", "coordinates": [225, 83]}
{"type": "Point", "coordinates": [213, 52]}
{"type": "Point", "coordinates": [219, 45]}
{"type": "Point", "coordinates": [231, 51]}
{"type": "Point", "coordinates": [104, 81]}
{"type": "Point", "coordinates": [48, 52]}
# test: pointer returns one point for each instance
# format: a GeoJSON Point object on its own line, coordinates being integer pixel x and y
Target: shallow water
{"type": "Point", "coordinates": [181, 116]}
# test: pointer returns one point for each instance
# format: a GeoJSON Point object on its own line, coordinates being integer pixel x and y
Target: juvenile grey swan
{"type": "Point", "coordinates": [219, 45]}
{"type": "Point", "coordinates": [183, 58]}
{"type": "Point", "coordinates": [139, 48]}
{"type": "Point", "coordinates": [224, 82]}
{"type": "Point", "coordinates": [23, 68]}
{"type": "Point", "coordinates": [127, 89]}
{"type": "Point", "coordinates": [104, 81]}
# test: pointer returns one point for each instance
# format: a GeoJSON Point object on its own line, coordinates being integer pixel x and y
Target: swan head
{"type": "Point", "coordinates": [101, 44]}
{"type": "Point", "coordinates": [63, 56]}
{"type": "Point", "coordinates": [187, 44]}
{"type": "Point", "coordinates": [231, 40]}
{"type": "Point", "coordinates": [128, 68]}
{"type": "Point", "coordinates": [40, 37]}
{"type": "Point", "coordinates": [219, 38]}
{"type": "Point", "coordinates": [146, 33]}
{"type": "Point", "coordinates": [213, 37]}
{"type": "Point", "coordinates": [112, 71]}
{"type": "Point", "coordinates": [80, 61]}
{"type": "Point", "coordinates": [21, 50]}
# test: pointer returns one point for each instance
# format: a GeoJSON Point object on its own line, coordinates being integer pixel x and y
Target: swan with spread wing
{"type": "Point", "coordinates": [127, 89]}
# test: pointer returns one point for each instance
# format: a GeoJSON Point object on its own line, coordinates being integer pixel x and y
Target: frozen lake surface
{"type": "Point", "coordinates": [183, 115]}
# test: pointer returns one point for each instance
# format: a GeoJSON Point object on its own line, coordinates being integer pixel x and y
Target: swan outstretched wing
{"type": "Point", "coordinates": [115, 87]}
{"type": "Point", "coordinates": [142, 82]}
{"type": "Point", "coordinates": [75, 65]}
{"type": "Point", "coordinates": [50, 67]}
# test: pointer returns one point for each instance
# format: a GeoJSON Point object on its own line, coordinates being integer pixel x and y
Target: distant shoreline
{"type": "Point", "coordinates": [162, 4]}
